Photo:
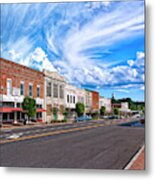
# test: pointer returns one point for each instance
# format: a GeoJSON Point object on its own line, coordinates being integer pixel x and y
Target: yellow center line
{"type": "Point", "coordinates": [50, 133]}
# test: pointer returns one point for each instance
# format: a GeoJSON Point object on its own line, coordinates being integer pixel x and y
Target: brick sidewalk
{"type": "Point", "coordinates": [139, 163]}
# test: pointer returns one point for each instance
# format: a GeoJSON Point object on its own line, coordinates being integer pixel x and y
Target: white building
{"type": "Point", "coordinates": [80, 95]}
{"type": "Point", "coordinates": [106, 102]}
{"type": "Point", "coordinates": [88, 102]}
{"type": "Point", "coordinates": [70, 97]}
{"type": "Point", "coordinates": [54, 96]}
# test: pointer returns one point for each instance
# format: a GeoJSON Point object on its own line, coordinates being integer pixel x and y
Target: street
{"type": "Point", "coordinates": [81, 145]}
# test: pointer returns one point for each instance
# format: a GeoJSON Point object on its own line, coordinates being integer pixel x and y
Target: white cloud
{"type": "Point", "coordinates": [142, 88]}
{"type": "Point", "coordinates": [123, 90]}
{"type": "Point", "coordinates": [130, 62]}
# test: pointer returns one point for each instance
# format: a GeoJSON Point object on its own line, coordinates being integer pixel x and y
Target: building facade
{"type": "Point", "coordinates": [95, 101]}
{"type": "Point", "coordinates": [54, 97]}
{"type": "Point", "coordinates": [80, 95]}
{"type": "Point", "coordinates": [16, 82]}
{"type": "Point", "coordinates": [106, 102]}
{"type": "Point", "coordinates": [70, 100]}
{"type": "Point", "coordinates": [88, 102]}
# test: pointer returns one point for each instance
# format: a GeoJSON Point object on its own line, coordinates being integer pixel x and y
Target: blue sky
{"type": "Point", "coordinates": [95, 45]}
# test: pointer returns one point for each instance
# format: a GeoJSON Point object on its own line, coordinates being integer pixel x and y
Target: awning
{"type": "Point", "coordinates": [8, 109]}
{"type": "Point", "coordinates": [41, 110]}
{"type": "Point", "coordinates": [17, 109]}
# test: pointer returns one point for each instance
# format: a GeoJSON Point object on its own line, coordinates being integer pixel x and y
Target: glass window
{"type": "Point", "coordinates": [38, 91]}
{"type": "Point", "coordinates": [74, 99]}
{"type": "Point", "coordinates": [48, 89]}
{"type": "Point", "coordinates": [55, 91]}
{"type": "Point", "coordinates": [21, 89]}
{"type": "Point", "coordinates": [30, 89]}
{"type": "Point", "coordinates": [68, 98]}
{"type": "Point", "coordinates": [9, 86]}
{"type": "Point", "coordinates": [61, 92]}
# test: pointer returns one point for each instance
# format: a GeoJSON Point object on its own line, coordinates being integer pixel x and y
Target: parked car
{"type": "Point", "coordinates": [113, 117]}
{"type": "Point", "coordinates": [83, 118]}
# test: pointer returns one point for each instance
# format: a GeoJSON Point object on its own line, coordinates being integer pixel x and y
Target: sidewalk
{"type": "Point", "coordinates": [138, 161]}
{"type": "Point", "coordinates": [7, 126]}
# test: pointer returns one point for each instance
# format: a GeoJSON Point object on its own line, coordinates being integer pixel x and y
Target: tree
{"type": "Point", "coordinates": [116, 111]}
{"type": "Point", "coordinates": [102, 110]}
{"type": "Point", "coordinates": [55, 112]}
{"type": "Point", "coordinates": [29, 105]}
{"type": "Point", "coordinates": [80, 109]}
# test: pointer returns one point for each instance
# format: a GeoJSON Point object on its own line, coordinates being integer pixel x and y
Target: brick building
{"type": "Point", "coordinates": [16, 82]}
{"type": "Point", "coordinates": [94, 101]}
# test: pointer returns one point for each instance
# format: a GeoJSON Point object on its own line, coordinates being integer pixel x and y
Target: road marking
{"type": "Point", "coordinates": [50, 133]}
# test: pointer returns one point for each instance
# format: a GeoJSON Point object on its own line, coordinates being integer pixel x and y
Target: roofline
{"type": "Point", "coordinates": [14, 63]}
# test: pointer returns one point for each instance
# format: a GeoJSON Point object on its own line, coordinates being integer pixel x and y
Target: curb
{"type": "Point", "coordinates": [132, 161]}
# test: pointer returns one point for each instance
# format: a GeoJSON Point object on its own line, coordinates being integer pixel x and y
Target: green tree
{"type": "Point", "coordinates": [29, 105]}
{"type": "Point", "coordinates": [116, 111]}
{"type": "Point", "coordinates": [102, 110]}
{"type": "Point", "coordinates": [80, 109]}
{"type": "Point", "coordinates": [55, 112]}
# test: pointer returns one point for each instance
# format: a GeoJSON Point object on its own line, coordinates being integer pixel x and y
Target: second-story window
{"type": "Point", "coordinates": [9, 86]}
{"type": "Point", "coordinates": [38, 91]}
{"type": "Point", "coordinates": [21, 89]}
{"type": "Point", "coordinates": [48, 89]}
{"type": "Point", "coordinates": [30, 89]}
{"type": "Point", "coordinates": [55, 90]}
{"type": "Point", "coordinates": [68, 98]}
{"type": "Point", "coordinates": [61, 92]}
{"type": "Point", "coordinates": [74, 99]}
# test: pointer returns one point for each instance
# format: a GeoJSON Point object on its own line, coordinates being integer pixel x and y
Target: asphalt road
{"type": "Point", "coordinates": [109, 147]}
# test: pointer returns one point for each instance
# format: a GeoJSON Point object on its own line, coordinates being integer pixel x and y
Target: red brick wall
{"type": "Point", "coordinates": [95, 100]}
{"type": "Point", "coordinates": [18, 73]}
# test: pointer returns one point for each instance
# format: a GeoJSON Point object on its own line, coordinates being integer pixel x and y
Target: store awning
{"type": "Point", "coordinates": [9, 109]}
{"type": "Point", "coordinates": [41, 110]}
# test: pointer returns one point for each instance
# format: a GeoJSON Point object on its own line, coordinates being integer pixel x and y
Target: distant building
{"type": "Point", "coordinates": [122, 106]}
{"type": "Point", "coordinates": [54, 95]}
{"type": "Point", "coordinates": [106, 102]}
{"type": "Point", "coordinates": [70, 99]}
{"type": "Point", "coordinates": [94, 101]}
{"type": "Point", "coordinates": [16, 82]}
{"type": "Point", "coordinates": [88, 102]}
{"type": "Point", "coordinates": [80, 95]}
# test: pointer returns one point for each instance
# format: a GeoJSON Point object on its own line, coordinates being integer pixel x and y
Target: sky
{"type": "Point", "coordinates": [94, 45]}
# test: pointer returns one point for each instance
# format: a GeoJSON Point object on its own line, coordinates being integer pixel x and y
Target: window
{"type": "Point", "coordinates": [9, 86]}
{"type": "Point", "coordinates": [74, 99]}
{"type": "Point", "coordinates": [38, 91]}
{"type": "Point", "coordinates": [61, 92]}
{"type": "Point", "coordinates": [48, 89]}
{"type": "Point", "coordinates": [30, 89]}
{"type": "Point", "coordinates": [21, 89]}
{"type": "Point", "coordinates": [68, 98]}
{"type": "Point", "coordinates": [55, 91]}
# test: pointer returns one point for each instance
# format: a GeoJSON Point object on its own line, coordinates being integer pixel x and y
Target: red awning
{"type": "Point", "coordinates": [17, 109]}
{"type": "Point", "coordinates": [41, 110]}
{"type": "Point", "coordinates": [10, 109]}
{"type": "Point", "coordinates": [6, 110]}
